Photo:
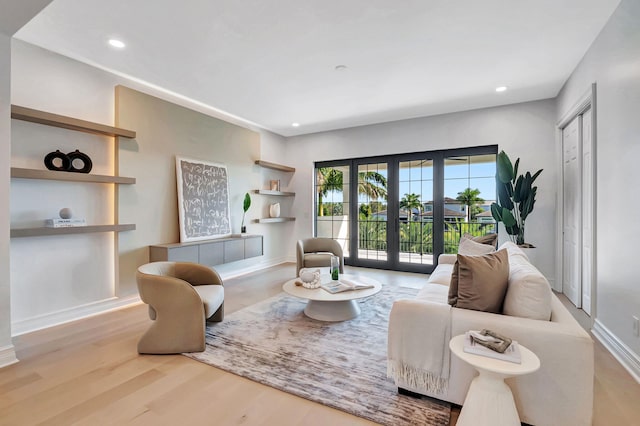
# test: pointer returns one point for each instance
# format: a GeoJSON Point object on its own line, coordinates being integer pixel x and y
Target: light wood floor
{"type": "Point", "coordinates": [88, 372]}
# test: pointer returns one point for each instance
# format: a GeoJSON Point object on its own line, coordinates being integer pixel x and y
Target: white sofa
{"type": "Point", "coordinates": [559, 393]}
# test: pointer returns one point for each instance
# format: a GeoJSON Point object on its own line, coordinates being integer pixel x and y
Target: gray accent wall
{"type": "Point", "coordinates": [613, 63]}
{"type": "Point", "coordinates": [166, 130]}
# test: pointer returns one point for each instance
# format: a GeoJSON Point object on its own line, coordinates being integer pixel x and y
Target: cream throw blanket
{"type": "Point", "coordinates": [420, 364]}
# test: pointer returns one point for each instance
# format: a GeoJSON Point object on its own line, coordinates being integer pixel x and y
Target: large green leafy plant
{"type": "Point", "coordinates": [516, 197]}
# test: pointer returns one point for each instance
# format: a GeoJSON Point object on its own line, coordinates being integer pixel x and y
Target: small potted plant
{"type": "Point", "coordinates": [245, 206]}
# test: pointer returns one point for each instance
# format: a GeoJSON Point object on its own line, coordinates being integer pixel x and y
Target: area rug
{"type": "Point", "coordinates": [339, 364]}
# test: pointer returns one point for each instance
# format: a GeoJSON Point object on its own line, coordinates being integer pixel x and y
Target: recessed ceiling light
{"type": "Point", "coordinates": [295, 124]}
{"type": "Point", "coordinates": [340, 67]}
{"type": "Point", "coordinates": [501, 89]}
{"type": "Point", "coordinates": [117, 43]}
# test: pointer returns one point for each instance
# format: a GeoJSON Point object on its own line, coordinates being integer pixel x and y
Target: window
{"type": "Point", "coordinates": [406, 209]}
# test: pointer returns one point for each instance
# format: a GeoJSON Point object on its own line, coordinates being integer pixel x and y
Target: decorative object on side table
{"type": "Point", "coordinates": [335, 268]}
{"type": "Point", "coordinates": [309, 278]}
{"type": "Point", "coordinates": [245, 206]}
{"type": "Point", "coordinates": [516, 197]}
{"type": "Point", "coordinates": [274, 210]}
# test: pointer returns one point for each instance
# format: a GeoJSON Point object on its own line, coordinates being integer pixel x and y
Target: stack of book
{"type": "Point", "coordinates": [65, 223]}
{"type": "Point", "coordinates": [471, 345]}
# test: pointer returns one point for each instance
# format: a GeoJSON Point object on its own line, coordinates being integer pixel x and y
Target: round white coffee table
{"type": "Point", "coordinates": [489, 400]}
{"type": "Point", "coordinates": [324, 306]}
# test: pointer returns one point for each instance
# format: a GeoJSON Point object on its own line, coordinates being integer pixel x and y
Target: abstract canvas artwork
{"type": "Point", "coordinates": [203, 200]}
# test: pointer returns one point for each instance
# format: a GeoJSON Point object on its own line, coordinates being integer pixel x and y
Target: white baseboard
{"type": "Point", "coordinates": [7, 356]}
{"type": "Point", "coordinates": [95, 308]}
{"type": "Point", "coordinates": [629, 360]}
{"type": "Point", "coordinates": [226, 275]}
{"type": "Point", "coordinates": [72, 314]}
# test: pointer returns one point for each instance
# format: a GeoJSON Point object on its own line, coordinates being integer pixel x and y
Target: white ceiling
{"type": "Point", "coordinates": [272, 62]}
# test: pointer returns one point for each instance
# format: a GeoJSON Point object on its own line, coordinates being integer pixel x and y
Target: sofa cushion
{"type": "Point", "coordinates": [441, 275]}
{"type": "Point", "coordinates": [489, 239]}
{"type": "Point", "coordinates": [482, 281]}
{"type": "Point", "coordinates": [514, 251]}
{"type": "Point", "coordinates": [469, 247]}
{"type": "Point", "coordinates": [529, 293]}
{"type": "Point", "coordinates": [433, 293]}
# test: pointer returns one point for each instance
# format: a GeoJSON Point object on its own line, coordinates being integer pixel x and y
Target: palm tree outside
{"type": "Point", "coordinates": [470, 198]}
{"type": "Point", "coordinates": [411, 202]}
{"type": "Point", "coordinates": [328, 179]}
{"type": "Point", "coordinates": [371, 184]}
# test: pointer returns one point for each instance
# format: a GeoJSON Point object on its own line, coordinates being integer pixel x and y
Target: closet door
{"type": "Point", "coordinates": [572, 206]}
{"type": "Point", "coordinates": [587, 210]}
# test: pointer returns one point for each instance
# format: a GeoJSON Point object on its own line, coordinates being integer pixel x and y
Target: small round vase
{"type": "Point", "coordinates": [274, 210]}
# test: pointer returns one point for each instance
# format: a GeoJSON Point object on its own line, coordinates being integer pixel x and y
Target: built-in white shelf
{"type": "Point", "coordinates": [275, 166]}
{"type": "Point", "coordinates": [277, 193]}
{"type": "Point", "coordinates": [68, 176]}
{"type": "Point", "coordinates": [44, 231]}
{"type": "Point", "coordinates": [274, 220]}
{"type": "Point", "coordinates": [70, 123]}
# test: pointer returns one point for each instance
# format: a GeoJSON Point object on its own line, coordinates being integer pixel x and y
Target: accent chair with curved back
{"type": "Point", "coordinates": [316, 252]}
{"type": "Point", "coordinates": [181, 296]}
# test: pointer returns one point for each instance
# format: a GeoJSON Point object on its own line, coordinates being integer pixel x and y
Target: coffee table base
{"type": "Point", "coordinates": [332, 310]}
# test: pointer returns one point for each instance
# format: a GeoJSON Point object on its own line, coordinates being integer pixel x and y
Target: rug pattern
{"type": "Point", "coordinates": [341, 364]}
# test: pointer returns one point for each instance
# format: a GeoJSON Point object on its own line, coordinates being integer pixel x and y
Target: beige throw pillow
{"type": "Point", "coordinates": [481, 281]}
{"type": "Point", "coordinates": [489, 239]}
{"type": "Point", "coordinates": [469, 247]}
{"type": "Point", "coordinates": [529, 292]}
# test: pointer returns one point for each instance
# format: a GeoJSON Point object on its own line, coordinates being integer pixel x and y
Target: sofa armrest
{"type": "Point", "coordinates": [447, 258]}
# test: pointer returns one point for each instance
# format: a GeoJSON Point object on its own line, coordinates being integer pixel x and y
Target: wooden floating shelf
{"type": "Point", "coordinates": [278, 193]}
{"type": "Point", "coordinates": [68, 176]}
{"type": "Point", "coordinates": [44, 231]}
{"type": "Point", "coordinates": [274, 220]}
{"type": "Point", "coordinates": [64, 122]}
{"type": "Point", "coordinates": [275, 166]}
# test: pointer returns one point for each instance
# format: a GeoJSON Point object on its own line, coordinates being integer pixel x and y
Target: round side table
{"type": "Point", "coordinates": [489, 400]}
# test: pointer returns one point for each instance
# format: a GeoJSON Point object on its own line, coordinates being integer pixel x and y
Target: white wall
{"type": "Point", "coordinates": [7, 355]}
{"type": "Point", "coordinates": [75, 276]}
{"type": "Point", "coordinates": [613, 63]}
{"type": "Point", "coordinates": [14, 16]}
{"type": "Point", "coordinates": [523, 130]}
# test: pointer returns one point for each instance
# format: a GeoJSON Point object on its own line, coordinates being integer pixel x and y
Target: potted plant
{"type": "Point", "coordinates": [516, 197]}
{"type": "Point", "coordinates": [245, 206]}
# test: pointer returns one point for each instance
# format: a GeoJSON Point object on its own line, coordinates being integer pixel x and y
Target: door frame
{"type": "Point", "coordinates": [585, 102]}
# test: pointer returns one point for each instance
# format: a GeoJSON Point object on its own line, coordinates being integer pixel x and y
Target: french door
{"type": "Point", "coordinates": [400, 212]}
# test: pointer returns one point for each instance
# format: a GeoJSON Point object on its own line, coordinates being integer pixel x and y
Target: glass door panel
{"type": "Point", "coordinates": [332, 190]}
{"type": "Point", "coordinates": [469, 190]}
{"type": "Point", "coordinates": [372, 224]}
{"type": "Point", "coordinates": [415, 212]}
